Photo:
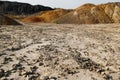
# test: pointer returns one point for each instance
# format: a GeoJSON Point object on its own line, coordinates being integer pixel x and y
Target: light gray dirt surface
{"type": "Point", "coordinates": [60, 52]}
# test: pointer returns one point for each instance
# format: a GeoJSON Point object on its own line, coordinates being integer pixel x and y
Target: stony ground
{"type": "Point", "coordinates": [60, 52]}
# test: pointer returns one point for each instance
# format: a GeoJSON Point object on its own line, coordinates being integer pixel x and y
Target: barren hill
{"type": "Point", "coordinates": [90, 14]}
{"type": "Point", "coordinates": [47, 16]}
{"type": "Point", "coordinates": [4, 20]}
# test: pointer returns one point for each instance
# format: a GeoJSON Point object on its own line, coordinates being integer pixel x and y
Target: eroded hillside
{"type": "Point", "coordinates": [46, 16]}
{"type": "Point", "coordinates": [93, 14]}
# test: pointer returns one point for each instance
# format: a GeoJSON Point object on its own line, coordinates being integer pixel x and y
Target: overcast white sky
{"type": "Point", "coordinates": [64, 3]}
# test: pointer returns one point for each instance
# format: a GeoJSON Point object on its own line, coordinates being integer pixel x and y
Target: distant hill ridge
{"type": "Point", "coordinates": [18, 8]}
{"type": "Point", "coordinates": [92, 14]}
{"type": "Point", "coordinates": [85, 14]}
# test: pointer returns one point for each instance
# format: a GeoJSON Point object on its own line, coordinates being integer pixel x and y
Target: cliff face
{"type": "Point", "coordinates": [91, 14]}
{"type": "Point", "coordinates": [17, 8]}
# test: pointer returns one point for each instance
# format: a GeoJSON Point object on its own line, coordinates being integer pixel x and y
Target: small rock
{"type": "Point", "coordinates": [53, 78]}
{"type": "Point", "coordinates": [7, 73]}
{"type": "Point", "coordinates": [46, 78]}
{"type": "Point", "coordinates": [2, 73]}
{"type": "Point", "coordinates": [41, 64]}
{"type": "Point", "coordinates": [108, 77]}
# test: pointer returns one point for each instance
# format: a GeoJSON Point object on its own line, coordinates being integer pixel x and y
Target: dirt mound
{"type": "Point", "coordinates": [92, 14]}
{"type": "Point", "coordinates": [47, 16]}
{"type": "Point", "coordinates": [4, 20]}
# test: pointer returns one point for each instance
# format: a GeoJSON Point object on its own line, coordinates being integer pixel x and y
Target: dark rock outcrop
{"type": "Point", "coordinates": [4, 20]}
{"type": "Point", "coordinates": [18, 8]}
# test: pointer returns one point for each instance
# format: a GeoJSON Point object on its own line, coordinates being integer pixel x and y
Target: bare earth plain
{"type": "Point", "coordinates": [60, 52]}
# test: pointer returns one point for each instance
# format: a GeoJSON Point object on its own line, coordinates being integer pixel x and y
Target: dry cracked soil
{"type": "Point", "coordinates": [60, 52]}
